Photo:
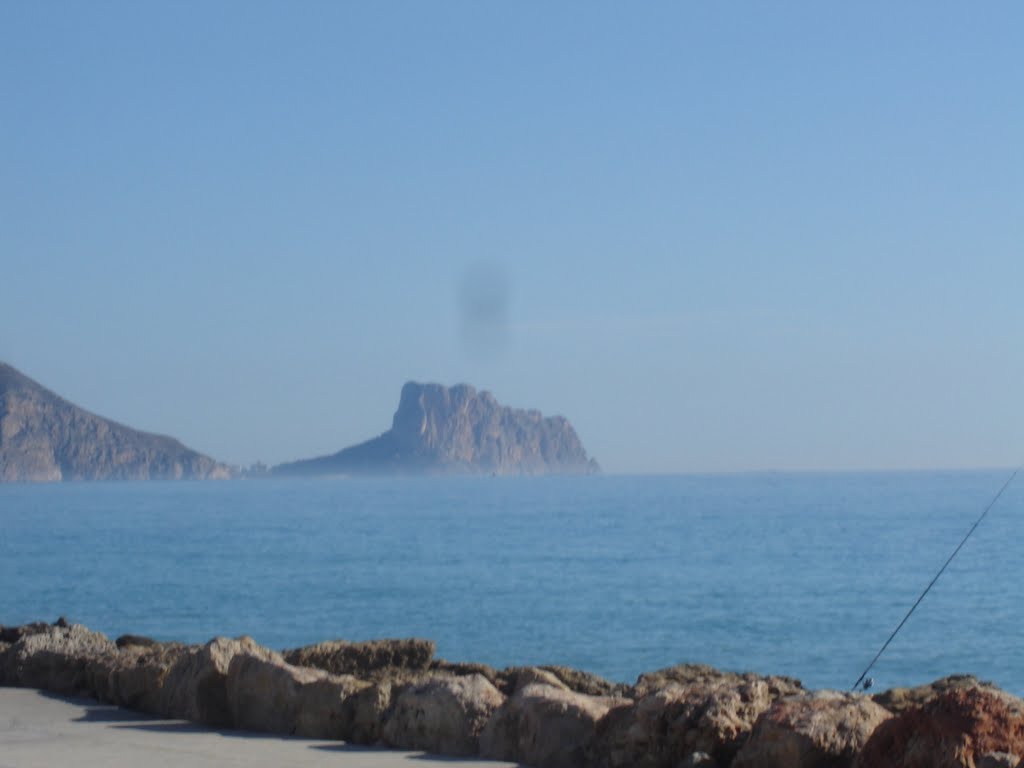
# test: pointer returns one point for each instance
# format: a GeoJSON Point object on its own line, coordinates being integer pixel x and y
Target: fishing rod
{"type": "Point", "coordinates": [932, 582]}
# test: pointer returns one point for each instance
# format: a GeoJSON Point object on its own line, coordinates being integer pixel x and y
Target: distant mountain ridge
{"type": "Point", "coordinates": [458, 430]}
{"type": "Point", "coordinates": [44, 438]}
{"type": "Point", "coordinates": [436, 430]}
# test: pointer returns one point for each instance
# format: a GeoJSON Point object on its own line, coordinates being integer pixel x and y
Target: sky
{"type": "Point", "coordinates": [717, 237]}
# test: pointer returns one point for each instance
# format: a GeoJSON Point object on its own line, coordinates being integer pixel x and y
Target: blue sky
{"type": "Point", "coordinates": [717, 236]}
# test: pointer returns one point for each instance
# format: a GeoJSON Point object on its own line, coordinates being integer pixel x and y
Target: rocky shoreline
{"type": "Point", "coordinates": [395, 693]}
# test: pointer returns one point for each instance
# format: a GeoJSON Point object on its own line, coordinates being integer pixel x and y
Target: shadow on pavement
{"type": "Point", "coordinates": [356, 748]}
{"type": "Point", "coordinates": [120, 718]}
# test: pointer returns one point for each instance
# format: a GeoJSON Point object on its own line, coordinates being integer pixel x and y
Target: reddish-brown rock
{"type": "Point", "coordinates": [899, 700]}
{"type": "Point", "coordinates": [956, 729]}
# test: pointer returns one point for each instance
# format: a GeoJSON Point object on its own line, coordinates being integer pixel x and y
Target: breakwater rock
{"type": "Point", "coordinates": [394, 693]}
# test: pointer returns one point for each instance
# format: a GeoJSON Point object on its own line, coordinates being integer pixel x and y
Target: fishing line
{"type": "Point", "coordinates": [932, 582]}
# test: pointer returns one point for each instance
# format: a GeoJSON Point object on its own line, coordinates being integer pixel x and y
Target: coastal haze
{"type": "Point", "coordinates": [351, 299]}
{"type": "Point", "coordinates": [716, 238]}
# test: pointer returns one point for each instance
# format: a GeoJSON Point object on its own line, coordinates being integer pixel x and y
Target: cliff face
{"type": "Point", "coordinates": [457, 430]}
{"type": "Point", "coordinates": [45, 438]}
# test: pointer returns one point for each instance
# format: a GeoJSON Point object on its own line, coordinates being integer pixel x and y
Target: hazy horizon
{"type": "Point", "coordinates": [715, 238]}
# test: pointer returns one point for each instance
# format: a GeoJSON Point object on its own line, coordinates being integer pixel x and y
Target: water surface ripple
{"type": "Point", "coordinates": [798, 574]}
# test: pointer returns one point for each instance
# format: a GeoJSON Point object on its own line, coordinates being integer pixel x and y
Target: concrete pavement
{"type": "Point", "coordinates": [41, 730]}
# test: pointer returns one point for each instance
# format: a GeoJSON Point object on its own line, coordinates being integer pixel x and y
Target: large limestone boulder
{"type": "Point", "coordinates": [328, 707]}
{"type": "Point", "coordinates": [195, 687]}
{"type": "Point", "coordinates": [55, 658]}
{"type": "Point", "coordinates": [444, 715]}
{"type": "Point", "coordinates": [545, 726]}
{"type": "Point", "coordinates": [819, 730]}
{"type": "Point", "coordinates": [372, 660]}
{"type": "Point", "coordinates": [687, 713]}
{"type": "Point", "coordinates": [266, 694]}
{"type": "Point", "coordinates": [961, 728]}
{"type": "Point", "coordinates": [134, 676]}
{"type": "Point", "coordinates": [369, 708]}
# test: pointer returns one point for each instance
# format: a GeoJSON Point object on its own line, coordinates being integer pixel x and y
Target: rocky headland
{"type": "Point", "coordinates": [395, 693]}
{"type": "Point", "coordinates": [44, 438]}
{"type": "Point", "coordinates": [436, 430]}
{"type": "Point", "coordinates": [458, 430]}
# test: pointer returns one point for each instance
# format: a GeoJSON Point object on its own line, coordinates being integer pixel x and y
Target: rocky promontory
{"type": "Point", "coordinates": [458, 430]}
{"type": "Point", "coordinates": [394, 693]}
{"type": "Point", "coordinates": [45, 438]}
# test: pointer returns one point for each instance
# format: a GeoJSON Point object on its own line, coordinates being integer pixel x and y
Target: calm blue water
{"type": "Point", "coordinates": [798, 574]}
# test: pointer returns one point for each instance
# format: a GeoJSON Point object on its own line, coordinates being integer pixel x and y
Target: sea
{"type": "Point", "coordinates": [799, 574]}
